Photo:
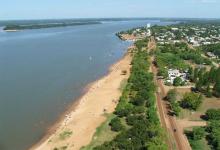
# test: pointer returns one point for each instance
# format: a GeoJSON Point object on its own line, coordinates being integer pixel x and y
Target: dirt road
{"type": "Point", "coordinates": [169, 123]}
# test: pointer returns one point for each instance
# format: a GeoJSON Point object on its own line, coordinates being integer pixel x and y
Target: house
{"type": "Point", "coordinates": [174, 73]}
{"type": "Point", "coordinates": [211, 55]}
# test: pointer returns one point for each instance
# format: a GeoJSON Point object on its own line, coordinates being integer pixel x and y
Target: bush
{"type": "Point", "coordinates": [116, 124]}
{"type": "Point", "coordinates": [191, 101]}
{"type": "Point", "coordinates": [213, 114]}
{"type": "Point", "coordinates": [171, 95]}
{"type": "Point", "coordinates": [198, 133]}
{"type": "Point", "coordinates": [175, 108]}
{"type": "Point", "coordinates": [177, 81]}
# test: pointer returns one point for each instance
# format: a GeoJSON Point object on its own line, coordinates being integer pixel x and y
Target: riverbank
{"type": "Point", "coordinates": [77, 127]}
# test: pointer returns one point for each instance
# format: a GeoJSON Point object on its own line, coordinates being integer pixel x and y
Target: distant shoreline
{"type": "Point", "coordinates": [10, 30]}
{"type": "Point", "coordinates": [18, 27]}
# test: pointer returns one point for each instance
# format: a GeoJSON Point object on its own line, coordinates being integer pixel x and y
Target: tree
{"type": "Point", "coordinates": [213, 114]}
{"type": "Point", "coordinates": [198, 133]}
{"type": "Point", "coordinates": [177, 81]}
{"type": "Point", "coordinates": [190, 72]}
{"type": "Point", "coordinates": [116, 124]}
{"type": "Point", "coordinates": [171, 95]}
{"type": "Point", "coordinates": [208, 91]}
{"type": "Point", "coordinates": [216, 89]}
{"type": "Point", "coordinates": [175, 108]}
{"type": "Point", "coordinates": [212, 74]}
{"type": "Point", "coordinates": [191, 100]}
{"type": "Point", "coordinates": [195, 74]}
{"type": "Point", "coordinates": [199, 86]}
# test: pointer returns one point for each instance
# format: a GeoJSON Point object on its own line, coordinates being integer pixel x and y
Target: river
{"type": "Point", "coordinates": [43, 71]}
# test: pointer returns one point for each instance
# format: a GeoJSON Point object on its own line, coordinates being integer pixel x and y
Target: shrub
{"type": "Point", "coordinates": [213, 114]}
{"type": "Point", "coordinates": [191, 100]}
{"type": "Point", "coordinates": [198, 133]}
{"type": "Point", "coordinates": [177, 81]}
{"type": "Point", "coordinates": [116, 124]}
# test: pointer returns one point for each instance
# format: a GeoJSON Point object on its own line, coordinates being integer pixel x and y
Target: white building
{"type": "Point", "coordinates": [174, 73]}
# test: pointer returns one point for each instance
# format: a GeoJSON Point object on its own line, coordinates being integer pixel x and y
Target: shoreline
{"type": "Point", "coordinates": [11, 30]}
{"type": "Point", "coordinates": [68, 119]}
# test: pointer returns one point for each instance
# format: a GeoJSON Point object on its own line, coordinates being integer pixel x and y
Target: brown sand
{"type": "Point", "coordinates": [129, 37]}
{"type": "Point", "coordinates": [82, 121]}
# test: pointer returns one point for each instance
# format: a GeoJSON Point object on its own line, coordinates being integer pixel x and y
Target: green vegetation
{"type": "Point", "coordinates": [178, 81]}
{"type": "Point", "coordinates": [182, 52]}
{"type": "Point", "coordinates": [116, 124]}
{"type": "Point", "coordinates": [48, 25]}
{"type": "Point", "coordinates": [204, 79]}
{"type": "Point", "coordinates": [103, 133]}
{"type": "Point", "coordinates": [213, 136]}
{"type": "Point", "coordinates": [137, 110]}
{"type": "Point", "coordinates": [216, 89]}
{"type": "Point", "coordinates": [65, 134]}
{"type": "Point", "coordinates": [164, 61]}
{"type": "Point", "coordinates": [211, 133]}
{"type": "Point", "coordinates": [196, 138]}
{"type": "Point", "coordinates": [172, 99]}
{"type": "Point", "coordinates": [171, 95]}
{"type": "Point", "coordinates": [141, 43]}
{"type": "Point", "coordinates": [214, 48]}
{"type": "Point", "coordinates": [191, 101]}
{"type": "Point", "coordinates": [213, 114]}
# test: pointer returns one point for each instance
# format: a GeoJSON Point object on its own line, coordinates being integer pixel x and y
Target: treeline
{"type": "Point", "coordinates": [214, 48]}
{"type": "Point", "coordinates": [205, 80]}
{"type": "Point", "coordinates": [182, 51]}
{"type": "Point", "coordinates": [49, 25]}
{"type": "Point", "coordinates": [137, 109]}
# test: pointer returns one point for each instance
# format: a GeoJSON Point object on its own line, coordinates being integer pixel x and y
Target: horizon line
{"type": "Point", "coordinates": [205, 18]}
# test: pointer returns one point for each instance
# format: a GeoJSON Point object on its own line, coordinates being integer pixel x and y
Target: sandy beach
{"type": "Point", "coordinates": [77, 127]}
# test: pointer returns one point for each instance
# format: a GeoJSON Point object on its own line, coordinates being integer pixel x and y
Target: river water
{"type": "Point", "coordinates": [42, 71]}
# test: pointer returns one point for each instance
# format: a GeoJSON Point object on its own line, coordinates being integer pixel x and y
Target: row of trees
{"type": "Point", "coordinates": [206, 79]}
{"type": "Point", "coordinates": [182, 51]}
{"type": "Point", "coordinates": [137, 108]}
{"type": "Point", "coordinates": [215, 48]}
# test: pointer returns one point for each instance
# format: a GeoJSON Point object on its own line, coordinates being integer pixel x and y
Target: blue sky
{"type": "Point", "coordinates": [43, 9]}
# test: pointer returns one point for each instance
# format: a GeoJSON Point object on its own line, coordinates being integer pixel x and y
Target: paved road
{"type": "Point", "coordinates": [169, 122]}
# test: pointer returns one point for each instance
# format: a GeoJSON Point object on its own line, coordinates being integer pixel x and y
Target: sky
{"type": "Point", "coordinates": [55, 9]}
